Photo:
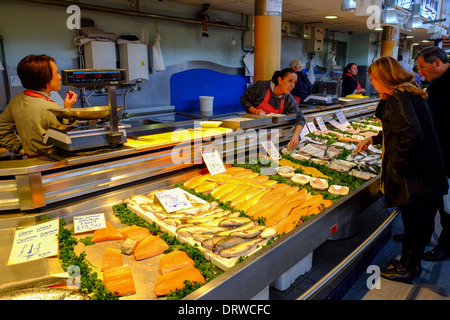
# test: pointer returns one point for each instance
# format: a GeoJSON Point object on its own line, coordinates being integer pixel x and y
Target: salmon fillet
{"type": "Point", "coordinates": [111, 258]}
{"type": "Point", "coordinates": [108, 233]}
{"type": "Point", "coordinates": [149, 247]}
{"type": "Point", "coordinates": [173, 261]}
{"type": "Point", "coordinates": [119, 279]}
{"type": "Point", "coordinates": [175, 280]}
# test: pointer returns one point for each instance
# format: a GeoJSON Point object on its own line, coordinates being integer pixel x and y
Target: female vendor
{"type": "Point", "coordinates": [349, 83]}
{"type": "Point", "coordinates": [27, 113]}
{"type": "Point", "coordinates": [273, 96]}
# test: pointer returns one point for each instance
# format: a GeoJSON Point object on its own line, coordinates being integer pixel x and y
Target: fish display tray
{"type": "Point", "coordinates": [221, 262]}
{"type": "Point", "coordinates": [245, 123]}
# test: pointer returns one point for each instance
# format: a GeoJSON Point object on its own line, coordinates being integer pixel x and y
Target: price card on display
{"type": "Point", "coordinates": [173, 200]}
{"type": "Point", "coordinates": [271, 150]}
{"type": "Point", "coordinates": [35, 242]}
{"type": "Point", "coordinates": [89, 223]}
{"type": "Point", "coordinates": [336, 124]}
{"type": "Point", "coordinates": [213, 161]}
{"type": "Point", "coordinates": [342, 119]}
{"type": "Point", "coordinates": [321, 124]}
{"type": "Point", "coordinates": [304, 132]}
{"type": "Point", "coordinates": [311, 126]}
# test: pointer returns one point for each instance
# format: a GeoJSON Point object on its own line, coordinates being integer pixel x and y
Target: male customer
{"type": "Point", "coordinates": [434, 66]}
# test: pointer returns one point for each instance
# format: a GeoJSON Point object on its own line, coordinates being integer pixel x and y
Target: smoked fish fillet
{"type": "Point", "coordinates": [108, 233]}
{"type": "Point", "coordinates": [235, 193]}
{"type": "Point", "coordinates": [111, 258]}
{"type": "Point", "coordinates": [175, 280]}
{"type": "Point", "coordinates": [119, 279]}
{"type": "Point", "coordinates": [205, 186]}
{"type": "Point", "coordinates": [195, 181]}
{"type": "Point", "coordinates": [290, 222]}
{"type": "Point", "coordinates": [244, 206]}
{"type": "Point", "coordinates": [173, 261]}
{"type": "Point", "coordinates": [223, 189]}
{"type": "Point", "coordinates": [149, 247]}
{"type": "Point", "coordinates": [246, 196]}
{"type": "Point", "coordinates": [135, 233]}
{"type": "Point", "coordinates": [279, 215]}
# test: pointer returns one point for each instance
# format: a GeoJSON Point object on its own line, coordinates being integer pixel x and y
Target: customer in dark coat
{"type": "Point", "coordinates": [412, 175]}
{"type": "Point", "coordinates": [434, 65]}
{"type": "Point", "coordinates": [302, 88]}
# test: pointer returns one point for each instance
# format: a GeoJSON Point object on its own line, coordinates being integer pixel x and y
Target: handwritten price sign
{"type": "Point", "coordinates": [88, 223]}
{"type": "Point", "coordinates": [173, 200]}
{"type": "Point", "coordinates": [35, 242]}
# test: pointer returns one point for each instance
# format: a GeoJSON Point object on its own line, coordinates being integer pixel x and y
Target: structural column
{"type": "Point", "coordinates": [390, 41]}
{"type": "Point", "coordinates": [267, 55]}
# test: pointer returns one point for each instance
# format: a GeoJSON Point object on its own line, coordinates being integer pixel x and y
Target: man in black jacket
{"type": "Point", "coordinates": [435, 67]}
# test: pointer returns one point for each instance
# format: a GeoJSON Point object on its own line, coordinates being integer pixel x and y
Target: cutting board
{"type": "Point", "coordinates": [245, 123]}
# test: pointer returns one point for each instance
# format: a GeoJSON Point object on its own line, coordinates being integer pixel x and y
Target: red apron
{"type": "Point", "coordinates": [267, 108]}
{"type": "Point", "coordinates": [358, 86]}
{"type": "Point", "coordinates": [36, 95]}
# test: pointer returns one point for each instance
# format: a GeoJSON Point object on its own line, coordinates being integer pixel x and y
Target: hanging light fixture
{"type": "Point", "coordinates": [389, 14]}
{"type": "Point", "coordinates": [348, 5]}
{"type": "Point", "coordinates": [414, 21]}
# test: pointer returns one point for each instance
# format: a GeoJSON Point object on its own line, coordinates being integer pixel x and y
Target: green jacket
{"type": "Point", "coordinates": [25, 121]}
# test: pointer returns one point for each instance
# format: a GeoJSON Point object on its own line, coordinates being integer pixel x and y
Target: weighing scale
{"type": "Point", "coordinates": [89, 135]}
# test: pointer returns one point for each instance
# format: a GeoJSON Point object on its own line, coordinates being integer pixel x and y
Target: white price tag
{"type": "Point", "coordinates": [342, 119]}
{"type": "Point", "coordinates": [321, 124]}
{"type": "Point", "coordinates": [311, 126]}
{"type": "Point", "coordinates": [89, 223]}
{"type": "Point", "coordinates": [336, 124]}
{"type": "Point", "coordinates": [173, 199]}
{"type": "Point", "coordinates": [35, 242]}
{"type": "Point", "coordinates": [213, 161]}
{"type": "Point", "coordinates": [304, 132]}
{"type": "Point", "coordinates": [271, 150]}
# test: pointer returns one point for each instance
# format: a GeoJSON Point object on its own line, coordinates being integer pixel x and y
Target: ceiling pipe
{"type": "Point", "coordinates": [140, 14]}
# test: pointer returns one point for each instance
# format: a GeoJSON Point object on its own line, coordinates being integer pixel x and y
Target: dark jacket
{"type": "Point", "coordinates": [255, 95]}
{"type": "Point", "coordinates": [440, 108]}
{"type": "Point", "coordinates": [349, 85]}
{"type": "Point", "coordinates": [302, 88]}
{"type": "Point", "coordinates": [413, 165]}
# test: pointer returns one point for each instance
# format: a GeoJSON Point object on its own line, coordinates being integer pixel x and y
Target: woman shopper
{"type": "Point", "coordinates": [412, 174]}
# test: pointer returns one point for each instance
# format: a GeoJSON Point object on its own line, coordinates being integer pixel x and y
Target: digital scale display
{"type": "Point", "coordinates": [93, 77]}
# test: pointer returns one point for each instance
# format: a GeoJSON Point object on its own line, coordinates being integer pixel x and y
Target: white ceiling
{"type": "Point", "coordinates": [303, 12]}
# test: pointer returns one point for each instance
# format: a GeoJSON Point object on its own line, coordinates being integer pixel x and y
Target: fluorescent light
{"type": "Point", "coordinates": [415, 44]}
{"type": "Point", "coordinates": [409, 37]}
{"type": "Point", "coordinates": [378, 29]}
{"type": "Point", "coordinates": [331, 17]}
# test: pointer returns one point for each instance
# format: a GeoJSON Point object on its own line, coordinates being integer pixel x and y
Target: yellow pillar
{"type": "Point", "coordinates": [390, 40]}
{"type": "Point", "coordinates": [267, 55]}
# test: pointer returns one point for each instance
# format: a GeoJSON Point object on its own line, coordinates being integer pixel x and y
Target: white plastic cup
{"type": "Point", "coordinates": [206, 105]}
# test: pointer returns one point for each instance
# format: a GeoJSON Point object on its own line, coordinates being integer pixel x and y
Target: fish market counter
{"type": "Point", "coordinates": [89, 183]}
{"type": "Point", "coordinates": [280, 262]}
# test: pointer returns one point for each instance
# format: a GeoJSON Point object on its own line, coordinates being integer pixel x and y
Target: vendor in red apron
{"type": "Point", "coordinates": [273, 96]}
{"type": "Point", "coordinates": [26, 118]}
{"type": "Point", "coordinates": [349, 83]}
